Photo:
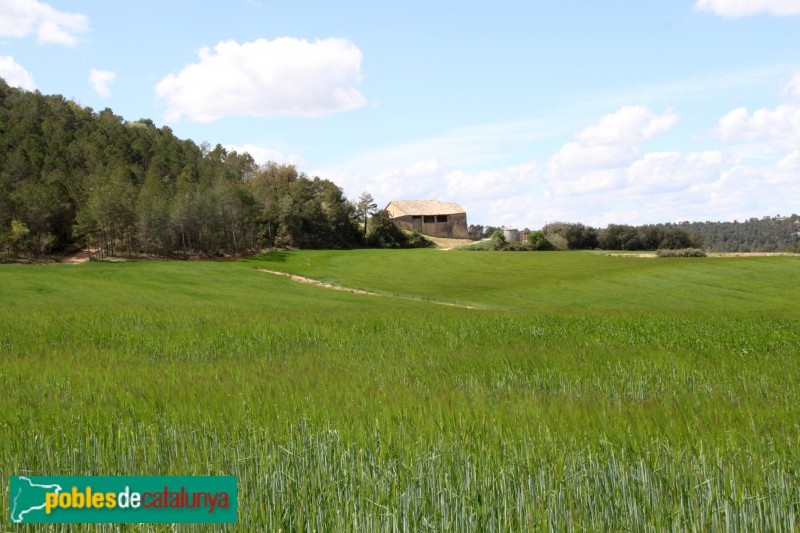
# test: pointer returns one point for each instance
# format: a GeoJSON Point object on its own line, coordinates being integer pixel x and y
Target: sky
{"type": "Point", "coordinates": [523, 112]}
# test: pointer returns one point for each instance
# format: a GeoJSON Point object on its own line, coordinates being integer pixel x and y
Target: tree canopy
{"type": "Point", "coordinates": [72, 176]}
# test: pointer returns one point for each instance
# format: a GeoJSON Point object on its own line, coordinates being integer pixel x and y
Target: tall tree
{"type": "Point", "coordinates": [365, 207]}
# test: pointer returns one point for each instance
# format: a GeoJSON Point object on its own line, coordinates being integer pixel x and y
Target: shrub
{"type": "Point", "coordinates": [684, 252]}
{"type": "Point", "coordinates": [517, 247]}
{"type": "Point", "coordinates": [383, 233]}
{"type": "Point", "coordinates": [676, 239]}
{"type": "Point", "coordinates": [415, 239]}
{"type": "Point", "coordinates": [498, 240]}
{"type": "Point", "coordinates": [483, 246]}
{"type": "Point", "coordinates": [793, 248]}
{"type": "Point", "coordinates": [538, 241]}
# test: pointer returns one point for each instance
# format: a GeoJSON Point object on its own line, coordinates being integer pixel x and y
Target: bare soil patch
{"type": "Point", "coordinates": [77, 258]}
{"type": "Point", "coordinates": [448, 244]}
{"type": "Point", "coordinates": [318, 283]}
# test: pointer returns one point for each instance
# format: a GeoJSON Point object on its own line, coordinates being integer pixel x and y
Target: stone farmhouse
{"type": "Point", "coordinates": [430, 217]}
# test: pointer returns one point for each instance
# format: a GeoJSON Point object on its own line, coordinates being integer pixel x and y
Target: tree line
{"type": "Point", "coordinates": [70, 176]}
{"type": "Point", "coordinates": [577, 236]}
{"type": "Point", "coordinates": [768, 234]}
{"type": "Point", "coordinates": [622, 237]}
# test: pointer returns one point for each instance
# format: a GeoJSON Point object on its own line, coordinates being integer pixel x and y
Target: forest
{"type": "Point", "coordinates": [70, 176]}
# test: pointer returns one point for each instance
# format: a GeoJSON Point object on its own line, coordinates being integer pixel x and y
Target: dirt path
{"type": "Point", "coordinates": [317, 283]}
{"type": "Point", "coordinates": [451, 244]}
{"type": "Point", "coordinates": [77, 258]}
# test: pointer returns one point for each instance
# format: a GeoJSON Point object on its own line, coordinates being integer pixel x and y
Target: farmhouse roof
{"type": "Point", "coordinates": [401, 208]}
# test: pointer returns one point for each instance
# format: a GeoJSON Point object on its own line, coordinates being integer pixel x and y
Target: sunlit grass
{"type": "Point", "coordinates": [587, 392]}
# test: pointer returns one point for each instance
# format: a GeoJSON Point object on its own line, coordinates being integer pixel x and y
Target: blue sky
{"type": "Point", "coordinates": [522, 112]}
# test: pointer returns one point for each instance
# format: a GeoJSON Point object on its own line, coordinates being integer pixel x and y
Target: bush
{"type": "Point", "coordinates": [483, 246]}
{"type": "Point", "coordinates": [537, 241]}
{"type": "Point", "coordinates": [793, 248]}
{"type": "Point", "coordinates": [498, 240]}
{"type": "Point", "coordinates": [684, 252]}
{"type": "Point", "coordinates": [16, 238]}
{"type": "Point", "coordinates": [517, 247]}
{"type": "Point", "coordinates": [383, 233]}
{"type": "Point", "coordinates": [677, 239]}
{"type": "Point", "coordinates": [415, 239]}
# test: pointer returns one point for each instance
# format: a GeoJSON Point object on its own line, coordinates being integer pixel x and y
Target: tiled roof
{"type": "Point", "coordinates": [401, 208]}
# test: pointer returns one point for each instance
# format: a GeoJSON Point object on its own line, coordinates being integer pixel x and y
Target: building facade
{"type": "Point", "coordinates": [430, 217]}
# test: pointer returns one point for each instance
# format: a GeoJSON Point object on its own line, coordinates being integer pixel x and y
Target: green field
{"type": "Point", "coordinates": [563, 391]}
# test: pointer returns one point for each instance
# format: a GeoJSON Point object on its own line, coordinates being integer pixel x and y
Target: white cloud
{"type": "Point", "coordinates": [387, 184]}
{"type": "Point", "coordinates": [101, 81]}
{"type": "Point", "coordinates": [765, 134]}
{"type": "Point", "coordinates": [792, 89]}
{"type": "Point", "coordinates": [483, 162]}
{"type": "Point", "coordinates": [15, 75]}
{"type": "Point", "coordinates": [790, 163]}
{"type": "Point", "coordinates": [598, 163]}
{"type": "Point", "coordinates": [598, 172]}
{"type": "Point", "coordinates": [629, 124]}
{"type": "Point", "coordinates": [432, 179]}
{"type": "Point", "coordinates": [601, 178]}
{"type": "Point", "coordinates": [263, 155]}
{"type": "Point", "coordinates": [779, 126]}
{"type": "Point", "coordinates": [660, 172]}
{"type": "Point", "coordinates": [419, 180]}
{"type": "Point", "coordinates": [575, 156]}
{"type": "Point", "coordinates": [745, 8]}
{"type": "Point", "coordinates": [510, 211]}
{"type": "Point", "coordinates": [664, 187]}
{"type": "Point", "coordinates": [490, 184]}
{"type": "Point", "coordinates": [20, 18]}
{"type": "Point", "coordinates": [492, 145]}
{"type": "Point", "coordinates": [465, 165]}
{"type": "Point", "coordinates": [653, 187]}
{"type": "Point", "coordinates": [286, 76]}
{"type": "Point", "coordinates": [590, 181]}
{"type": "Point", "coordinates": [597, 160]}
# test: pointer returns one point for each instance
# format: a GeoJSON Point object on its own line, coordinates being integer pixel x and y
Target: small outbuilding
{"type": "Point", "coordinates": [430, 217]}
{"type": "Point", "coordinates": [511, 234]}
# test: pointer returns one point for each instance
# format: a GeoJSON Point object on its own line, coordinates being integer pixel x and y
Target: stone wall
{"type": "Point", "coordinates": [447, 226]}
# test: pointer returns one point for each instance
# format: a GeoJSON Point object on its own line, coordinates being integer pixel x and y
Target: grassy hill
{"type": "Point", "coordinates": [580, 391]}
{"type": "Point", "coordinates": [549, 282]}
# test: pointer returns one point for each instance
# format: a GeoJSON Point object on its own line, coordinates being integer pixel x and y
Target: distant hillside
{"type": "Point", "coordinates": [70, 175]}
{"type": "Point", "coordinates": [768, 234]}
